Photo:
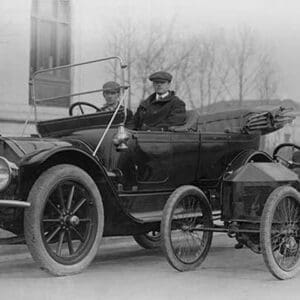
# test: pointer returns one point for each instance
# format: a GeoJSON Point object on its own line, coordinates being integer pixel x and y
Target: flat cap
{"type": "Point", "coordinates": [160, 76]}
{"type": "Point", "coordinates": [111, 86]}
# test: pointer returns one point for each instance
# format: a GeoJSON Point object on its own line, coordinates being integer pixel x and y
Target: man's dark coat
{"type": "Point", "coordinates": [160, 114]}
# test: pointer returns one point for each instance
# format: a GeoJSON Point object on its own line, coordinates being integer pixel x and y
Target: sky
{"type": "Point", "coordinates": [277, 22]}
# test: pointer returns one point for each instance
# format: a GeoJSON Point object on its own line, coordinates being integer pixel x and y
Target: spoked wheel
{"type": "Point", "coordinates": [149, 240]}
{"type": "Point", "coordinates": [280, 232]}
{"type": "Point", "coordinates": [186, 212]}
{"type": "Point", "coordinates": [64, 224]}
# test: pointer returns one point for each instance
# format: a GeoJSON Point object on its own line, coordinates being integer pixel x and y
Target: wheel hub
{"type": "Point", "coordinates": [291, 243]}
{"type": "Point", "coordinates": [73, 220]}
{"type": "Point", "coordinates": [69, 220]}
{"type": "Point", "coordinates": [289, 247]}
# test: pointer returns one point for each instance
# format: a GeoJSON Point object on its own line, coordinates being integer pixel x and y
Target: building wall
{"type": "Point", "coordinates": [14, 63]}
{"type": "Point", "coordinates": [87, 44]}
{"type": "Point", "coordinates": [15, 26]}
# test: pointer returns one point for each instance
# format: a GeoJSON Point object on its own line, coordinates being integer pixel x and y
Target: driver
{"type": "Point", "coordinates": [111, 94]}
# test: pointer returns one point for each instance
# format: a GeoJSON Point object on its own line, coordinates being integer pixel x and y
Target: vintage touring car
{"type": "Point", "coordinates": [87, 176]}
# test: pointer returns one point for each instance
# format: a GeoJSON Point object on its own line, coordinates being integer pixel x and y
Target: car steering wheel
{"type": "Point", "coordinates": [80, 104]}
{"type": "Point", "coordinates": [277, 157]}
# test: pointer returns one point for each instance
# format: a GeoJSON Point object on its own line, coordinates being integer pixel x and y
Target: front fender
{"type": "Point", "coordinates": [34, 164]}
{"type": "Point", "coordinates": [40, 157]}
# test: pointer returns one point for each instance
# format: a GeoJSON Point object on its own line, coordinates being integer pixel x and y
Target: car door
{"type": "Point", "coordinates": [146, 173]}
{"type": "Point", "coordinates": [185, 157]}
{"type": "Point", "coordinates": [152, 155]}
{"type": "Point", "coordinates": [162, 161]}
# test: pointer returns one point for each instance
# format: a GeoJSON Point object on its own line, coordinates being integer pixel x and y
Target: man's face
{"type": "Point", "coordinates": [161, 87]}
{"type": "Point", "coordinates": [111, 97]}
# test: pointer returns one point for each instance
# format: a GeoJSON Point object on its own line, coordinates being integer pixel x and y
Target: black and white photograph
{"type": "Point", "coordinates": [149, 149]}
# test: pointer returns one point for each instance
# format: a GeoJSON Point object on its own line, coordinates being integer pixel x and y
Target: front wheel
{"type": "Point", "coordinates": [64, 224]}
{"type": "Point", "coordinates": [280, 232]}
{"type": "Point", "coordinates": [185, 215]}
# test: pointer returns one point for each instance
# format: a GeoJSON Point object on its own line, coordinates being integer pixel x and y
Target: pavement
{"type": "Point", "coordinates": [124, 270]}
{"type": "Point", "coordinates": [20, 252]}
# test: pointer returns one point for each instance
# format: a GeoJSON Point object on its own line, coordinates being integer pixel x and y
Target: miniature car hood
{"type": "Point", "coordinates": [262, 172]}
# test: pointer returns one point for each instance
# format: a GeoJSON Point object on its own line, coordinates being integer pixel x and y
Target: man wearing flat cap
{"type": "Point", "coordinates": [162, 109]}
{"type": "Point", "coordinates": [111, 93]}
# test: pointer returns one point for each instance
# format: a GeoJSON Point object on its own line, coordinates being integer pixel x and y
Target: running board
{"type": "Point", "coordinates": [155, 216]}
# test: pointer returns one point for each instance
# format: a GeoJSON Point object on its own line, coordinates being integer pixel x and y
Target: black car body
{"type": "Point", "coordinates": [155, 164]}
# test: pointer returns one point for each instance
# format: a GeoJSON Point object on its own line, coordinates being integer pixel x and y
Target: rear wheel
{"type": "Point", "coordinates": [64, 224]}
{"type": "Point", "coordinates": [149, 240]}
{"type": "Point", "coordinates": [280, 232]}
{"type": "Point", "coordinates": [186, 212]}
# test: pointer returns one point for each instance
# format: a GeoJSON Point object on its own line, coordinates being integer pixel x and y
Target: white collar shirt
{"type": "Point", "coordinates": [158, 97]}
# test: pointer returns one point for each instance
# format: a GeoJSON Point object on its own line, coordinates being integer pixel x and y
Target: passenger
{"type": "Point", "coordinates": [111, 94]}
{"type": "Point", "coordinates": [162, 109]}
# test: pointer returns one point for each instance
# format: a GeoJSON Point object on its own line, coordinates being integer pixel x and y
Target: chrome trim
{"type": "Point", "coordinates": [14, 203]}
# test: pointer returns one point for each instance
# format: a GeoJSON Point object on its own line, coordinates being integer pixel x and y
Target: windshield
{"type": "Point", "coordinates": [79, 98]}
{"type": "Point", "coordinates": [52, 102]}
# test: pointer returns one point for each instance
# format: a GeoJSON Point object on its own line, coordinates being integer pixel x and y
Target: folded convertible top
{"type": "Point", "coordinates": [259, 120]}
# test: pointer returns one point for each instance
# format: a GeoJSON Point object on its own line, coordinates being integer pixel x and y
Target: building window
{"type": "Point", "coordinates": [50, 47]}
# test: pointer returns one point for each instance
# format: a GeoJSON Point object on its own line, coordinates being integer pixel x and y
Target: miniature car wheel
{"type": "Point", "coordinates": [280, 232]}
{"type": "Point", "coordinates": [64, 224]}
{"type": "Point", "coordinates": [149, 240]}
{"type": "Point", "coordinates": [185, 214]}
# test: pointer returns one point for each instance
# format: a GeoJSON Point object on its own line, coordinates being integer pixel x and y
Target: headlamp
{"type": "Point", "coordinates": [6, 170]}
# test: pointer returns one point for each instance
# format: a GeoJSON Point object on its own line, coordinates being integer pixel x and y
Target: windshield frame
{"type": "Point", "coordinates": [123, 94]}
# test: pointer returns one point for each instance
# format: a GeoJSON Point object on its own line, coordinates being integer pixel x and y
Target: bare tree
{"type": "Point", "coordinates": [206, 68]}
{"type": "Point", "coordinates": [202, 65]}
{"type": "Point", "coordinates": [267, 78]}
{"type": "Point", "coordinates": [157, 51]}
{"type": "Point", "coordinates": [212, 72]}
{"type": "Point", "coordinates": [181, 66]}
{"type": "Point", "coordinates": [160, 49]}
{"type": "Point", "coordinates": [241, 56]}
{"type": "Point", "coordinates": [122, 43]}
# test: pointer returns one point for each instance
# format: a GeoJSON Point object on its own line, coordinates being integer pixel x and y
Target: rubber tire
{"type": "Point", "coordinates": [167, 248]}
{"type": "Point", "coordinates": [265, 229]}
{"type": "Point", "coordinates": [32, 218]}
{"type": "Point", "coordinates": [144, 241]}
